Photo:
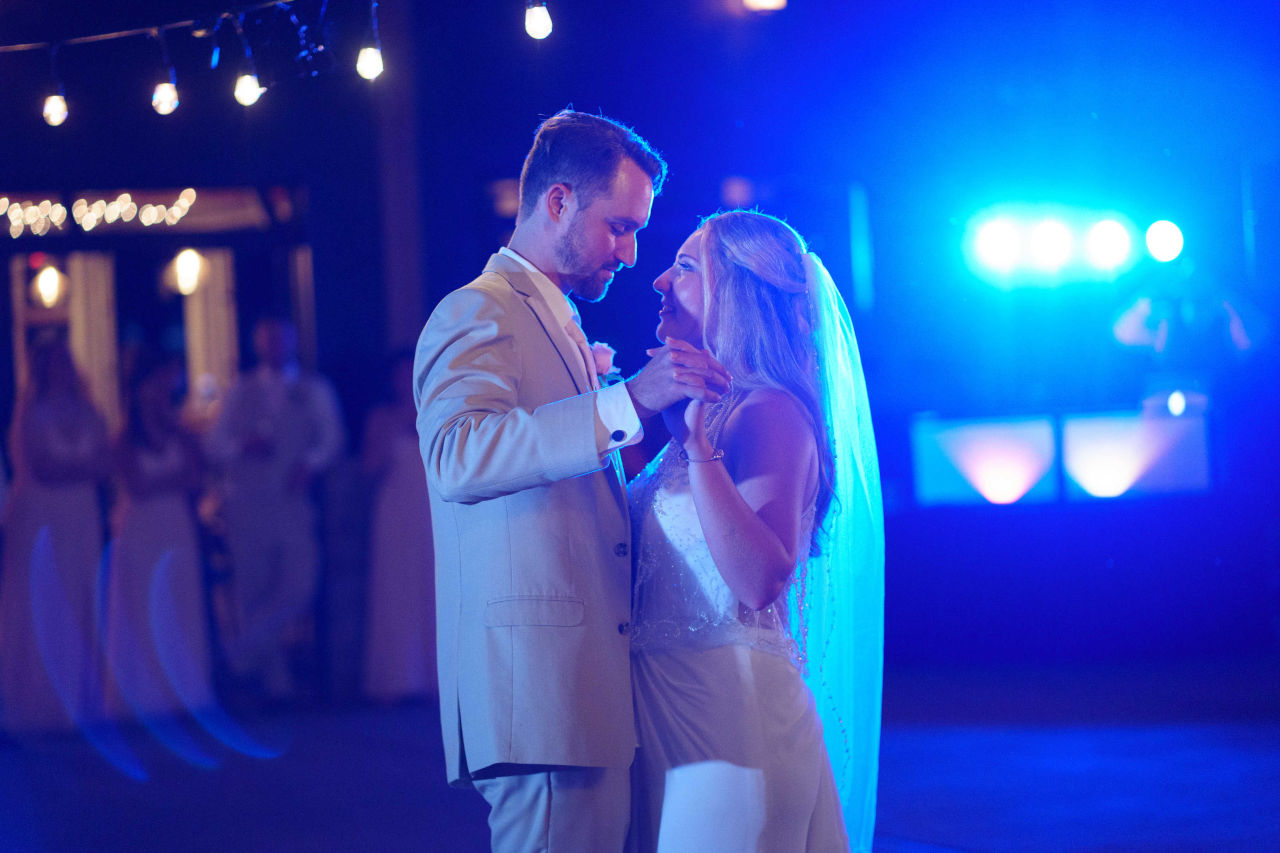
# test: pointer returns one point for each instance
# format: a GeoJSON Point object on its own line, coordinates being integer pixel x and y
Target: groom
{"type": "Point", "coordinates": [532, 534]}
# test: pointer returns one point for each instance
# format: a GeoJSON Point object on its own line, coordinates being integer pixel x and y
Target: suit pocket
{"type": "Point", "coordinates": [555, 611]}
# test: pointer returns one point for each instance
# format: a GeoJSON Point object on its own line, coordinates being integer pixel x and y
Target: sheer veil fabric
{"type": "Point", "coordinates": [838, 604]}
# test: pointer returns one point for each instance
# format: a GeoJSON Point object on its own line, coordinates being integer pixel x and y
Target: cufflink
{"type": "Point", "coordinates": [617, 435]}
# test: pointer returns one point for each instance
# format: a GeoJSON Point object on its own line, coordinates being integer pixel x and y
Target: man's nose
{"type": "Point", "coordinates": [627, 250]}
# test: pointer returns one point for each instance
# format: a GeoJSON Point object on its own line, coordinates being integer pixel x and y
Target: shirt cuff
{"type": "Point", "coordinates": [617, 424]}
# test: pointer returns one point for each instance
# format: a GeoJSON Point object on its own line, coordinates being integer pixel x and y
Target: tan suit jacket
{"type": "Point", "coordinates": [533, 571]}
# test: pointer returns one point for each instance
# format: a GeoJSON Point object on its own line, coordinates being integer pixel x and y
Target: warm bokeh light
{"type": "Point", "coordinates": [764, 5]}
{"type": "Point", "coordinates": [537, 20]}
{"type": "Point", "coordinates": [164, 99]}
{"type": "Point", "coordinates": [247, 89]}
{"type": "Point", "coordinates": [186, 269]}
{"type": "Point", "coordinates": [55, 110]}
{"type": "Point", "coordinates": [369, 63]}
{"type": "Point", "coordinates": [47, 287]}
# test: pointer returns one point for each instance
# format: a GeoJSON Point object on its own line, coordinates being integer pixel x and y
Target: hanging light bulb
{"type": "Point", "coordinates": [369, 63]}
{"type": "Point", "coordinates": [537, 20]}
{"type": "Point", "coordinates": [55, 106]}
{"type": "Point", "coordinates": [248, 90]}
{"type": "Point", "coordinates": [369, 60]}
{"type": "Point", "coordinates": [55, 110]}
{"type": "Point", "coordinates": [164, 100]}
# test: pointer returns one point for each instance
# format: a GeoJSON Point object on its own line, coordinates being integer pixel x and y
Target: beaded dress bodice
{"type": "Point", "coordinates": [680, 597]}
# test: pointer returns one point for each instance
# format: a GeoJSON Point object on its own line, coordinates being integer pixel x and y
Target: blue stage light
{"type": "Point", "coordinates": [1050, 245]}
{"type": "Point", "coordinates": [1107, 245]}
{"type": "Point", "coordinates": [1177, 404]}
{"type": "Point", "coordinates": [1164, 240]}
{"type": "Point", "coordinates": [999, 245]}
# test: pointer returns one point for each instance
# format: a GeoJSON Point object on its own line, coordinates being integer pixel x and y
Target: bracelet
{"type": "Point", "coordinates": [716, 454]}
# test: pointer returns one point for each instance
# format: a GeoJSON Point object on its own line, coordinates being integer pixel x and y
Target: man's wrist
{"type": "Point", "coordinates": [642, 411]}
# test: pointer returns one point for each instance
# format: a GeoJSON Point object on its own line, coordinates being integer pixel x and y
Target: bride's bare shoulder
{"type": "Point", "coordinates": [770, 414]}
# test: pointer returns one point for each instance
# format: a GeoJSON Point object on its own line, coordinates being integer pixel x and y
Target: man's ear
{"type": "Point", "coordinates": [557, 200]}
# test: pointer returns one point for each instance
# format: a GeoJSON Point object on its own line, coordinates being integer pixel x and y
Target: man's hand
{"type": "Point", "coordinates": [677, 371]}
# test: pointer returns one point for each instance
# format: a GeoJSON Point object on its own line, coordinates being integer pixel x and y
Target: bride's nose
{"type": "Point", "coordinates": [663, 282]}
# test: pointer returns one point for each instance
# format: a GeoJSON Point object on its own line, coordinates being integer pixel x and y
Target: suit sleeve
{"type": "Point", "coordinates": [477, 442]}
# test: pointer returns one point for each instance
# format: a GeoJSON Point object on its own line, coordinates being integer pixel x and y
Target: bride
{"type": "Point", "coordinates": [760, 563]}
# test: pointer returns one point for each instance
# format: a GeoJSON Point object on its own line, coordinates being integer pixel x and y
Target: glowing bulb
{"type": "Point", "coordinates": [48, 287]}
{"type": "Point", "coordinates": [1164, 240]}
{"type": "Point", "coordinates": [247, 89]}
{"type": "Point", "coordinates": [369, 63]}
{"type": "Point", "coordinates": [186, 268]}
{"type": "Point", "coordinates": [1177, 404]}
{"type": "Point", "coordinates": [55, 110]}
{"type": "Point", "coordinates": [164, 99]}
{"type": "Point", "coordinates": [1050, 245]}
{"type": "Point", "coordinates": [1107, 244]}
{"type": "Point", "coordinates": [998, 245]}
{"type": "Point", "coordinates": [537, 20]}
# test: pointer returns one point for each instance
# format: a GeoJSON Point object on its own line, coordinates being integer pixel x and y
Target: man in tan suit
{"type": "Point", "coordinates": [528, 507]}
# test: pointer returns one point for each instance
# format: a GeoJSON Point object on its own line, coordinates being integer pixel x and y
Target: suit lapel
{"type": "Point", "coordinates": [519, 280]}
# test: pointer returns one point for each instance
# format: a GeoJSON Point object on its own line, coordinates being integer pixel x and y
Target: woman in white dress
{"type": "Point", "coordinates": [157, 644]}
{"type": "Point", "coordinates": [759, 558]}
{"type": "Point", "coordinates": [400, 638]}
{"type": "Point", "coordinates": [49, 657]}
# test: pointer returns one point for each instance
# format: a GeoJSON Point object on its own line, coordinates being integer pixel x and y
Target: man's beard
{"type": "Point", "coordinates": [582, 283]}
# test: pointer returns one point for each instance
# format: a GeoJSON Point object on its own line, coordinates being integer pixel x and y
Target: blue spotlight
{"type": "Point", "coordinates": [1164, 240]}
{"type": "Point", "coordinates": [1050, 245]}
{"type": "Point", "coordinates": [998, 245]}
{"type": "Point", "coordinates": [1177, 404]}
{"type": "Point", "coordinates": [1107, 245]}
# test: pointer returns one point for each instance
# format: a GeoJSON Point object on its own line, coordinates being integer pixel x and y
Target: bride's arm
{"type": "Point", "coordinates": [750, 503]}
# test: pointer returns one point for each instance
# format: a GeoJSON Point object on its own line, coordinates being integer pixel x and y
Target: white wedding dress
{"type": "Point", "coordinates": [731, 753]}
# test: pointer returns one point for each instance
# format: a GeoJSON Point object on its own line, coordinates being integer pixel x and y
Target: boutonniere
{"type": "Point", "coordinates": [602, 355]}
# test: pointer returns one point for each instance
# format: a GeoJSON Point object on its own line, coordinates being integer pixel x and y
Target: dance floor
{"type": "Point", "coordinates": [1174, 756]}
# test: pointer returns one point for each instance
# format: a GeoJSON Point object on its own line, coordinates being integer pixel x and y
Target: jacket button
{"type": "Point", "coordinates": [617, 435]}
{"type": "Point", "coordinates": [621, 549]}
{"type": "Point", "coordinates": [624, 627]}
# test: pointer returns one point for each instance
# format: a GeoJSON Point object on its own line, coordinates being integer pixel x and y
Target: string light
{"type": "Point", "coordinates": [247, 91]}
{"type": "Point", "coordinates": [369, 60]}
{"type": "Point", "coordinates": [55, 105]}
{"type": "Point", "coordinates": [164, 100]}
{"type": "Point", "coordinates": [48, 216]}
{"type": "Point", "coordinates": [537, 20]}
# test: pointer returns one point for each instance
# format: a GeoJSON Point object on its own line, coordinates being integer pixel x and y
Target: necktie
{"type": "Point", "coordinates": [575, 334]}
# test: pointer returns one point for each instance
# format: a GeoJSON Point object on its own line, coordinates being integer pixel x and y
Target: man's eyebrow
{"type": "Point", "coordinates": [631, 224]}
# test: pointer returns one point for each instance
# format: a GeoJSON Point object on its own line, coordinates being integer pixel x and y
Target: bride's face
{"type": "Point", "coordinates": [682, 308]}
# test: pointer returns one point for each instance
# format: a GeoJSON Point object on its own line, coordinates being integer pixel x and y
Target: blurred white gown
{"type": "Point", "coordinates": [49, 663]}
{"type": "Point", "coordinates": [400, 641]}
{"type": "Point", "coordinates": [157, 643]}
{"type": "Point", "coordinates": [731, 749]}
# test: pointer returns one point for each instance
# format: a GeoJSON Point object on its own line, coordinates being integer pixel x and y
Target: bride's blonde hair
{"type": "Point", "coordinates": [759, 318]}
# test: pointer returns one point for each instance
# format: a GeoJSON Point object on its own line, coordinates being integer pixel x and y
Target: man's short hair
{"type": "Point", "coordinates": [583, 152]}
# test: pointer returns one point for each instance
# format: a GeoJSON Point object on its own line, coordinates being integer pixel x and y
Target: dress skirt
{"type": "Point", "coordinates": [731, 756]}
